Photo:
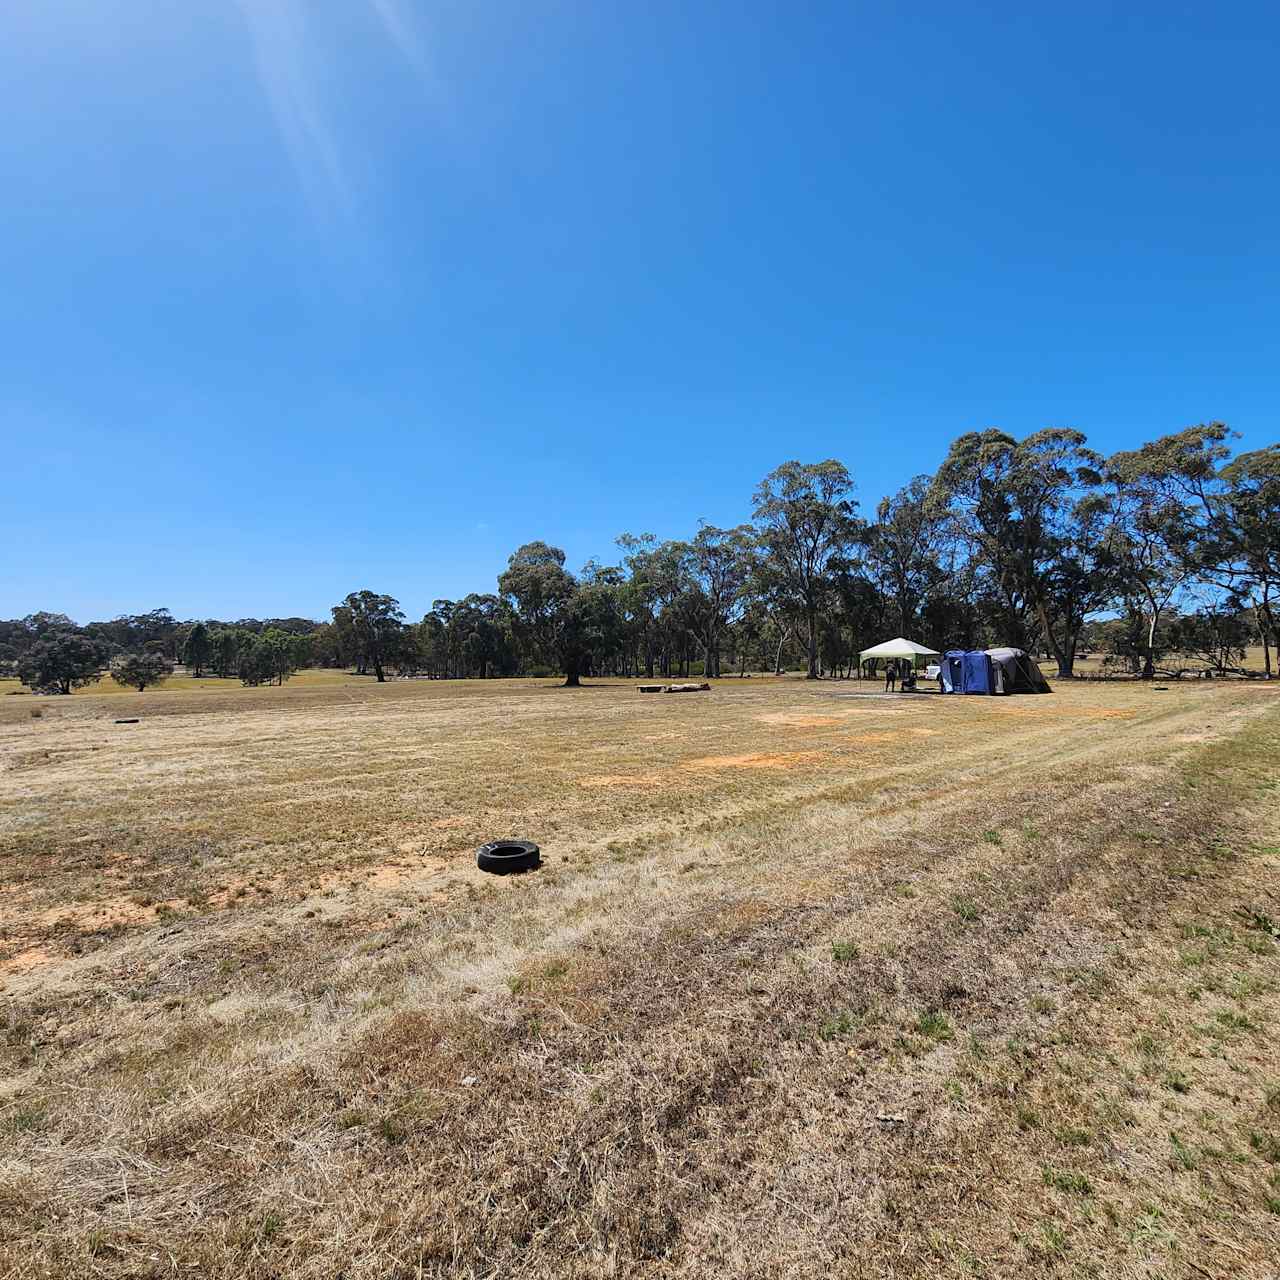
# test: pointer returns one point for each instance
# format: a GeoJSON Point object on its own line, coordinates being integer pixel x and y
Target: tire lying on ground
{"type": "Point", "coordinates": [503, 856]}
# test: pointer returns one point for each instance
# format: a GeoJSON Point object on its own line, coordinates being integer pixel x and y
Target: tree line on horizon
{"type": "Point", "coordinates": [1043, 544]}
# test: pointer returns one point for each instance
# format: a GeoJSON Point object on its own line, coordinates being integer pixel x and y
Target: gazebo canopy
{"type": "Point", "coordinates": [899, 648]}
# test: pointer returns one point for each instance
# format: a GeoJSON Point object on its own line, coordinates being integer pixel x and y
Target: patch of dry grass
{"type": "Point", "coordinates": [991, 999]}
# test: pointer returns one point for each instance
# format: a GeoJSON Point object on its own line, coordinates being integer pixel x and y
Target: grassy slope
{"type": "Point", "coordinates": [1009, 1022]}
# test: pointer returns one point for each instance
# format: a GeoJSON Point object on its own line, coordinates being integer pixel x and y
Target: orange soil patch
{"type": "Point", "coordinates": [88, 917]}
{"type": "Point", "coordinates": [25, 961]}
{"type": "Point", "coordinates": [797, 720]}
{"type": "Point", "coordinates": [621, 780]}
{"type": "Point", "coordinates": [757, 760]}
{"type": "Point", "coordinates": [387, 875]}
{"type": "Point", "coordinates": [107, 913]}
{"type": "Point", "coordinates": [448, 824]}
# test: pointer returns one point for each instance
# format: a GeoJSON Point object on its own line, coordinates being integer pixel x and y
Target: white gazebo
{"type": "Point", "coordinates": [899, 648]}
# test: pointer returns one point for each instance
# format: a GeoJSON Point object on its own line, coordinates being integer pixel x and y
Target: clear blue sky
{"type": "Point", "coordinates": [299, 297]}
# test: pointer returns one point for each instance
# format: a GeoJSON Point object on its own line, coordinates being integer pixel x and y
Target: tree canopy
{"type": "Point", "coordinates": [1172, 548]}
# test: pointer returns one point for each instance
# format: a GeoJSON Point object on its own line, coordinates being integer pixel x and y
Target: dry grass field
{"type": "Point", "coordinates": [810, 983]}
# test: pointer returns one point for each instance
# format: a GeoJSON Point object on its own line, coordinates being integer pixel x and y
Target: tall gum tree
{"type": "Point", "coordinates": [1023, 507]}
{"type": "Point", "coordinates": [1247, 537]}
{"type": "Point", "coordinates": [376, 628]}
{"type": "Point", "coordinates": [1168, 519]}
{"type": "Point", "coordinates": [805, 519]}
{"type": "Point", "coordinates": [903, 552]}
{"type": "Point", "coordinates": [721, 560]}
{"type": "Point", "coordinates": [541, 591]}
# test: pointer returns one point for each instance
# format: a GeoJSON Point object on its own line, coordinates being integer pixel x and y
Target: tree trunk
{"type": "Point", "coordinates": [1067, 660]}
{"type": "Point", "coordinates": [812, 619]}
{"type": "Point", "coordinates": [378, 671]}
{"type": "Point", "coordinates": [1262, 612]}
{"type": "Point", "coordinates": [1149, 658]}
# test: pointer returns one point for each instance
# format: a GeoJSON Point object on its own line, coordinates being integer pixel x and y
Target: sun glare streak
{"type": "Point", "coordinates": [283, 59]}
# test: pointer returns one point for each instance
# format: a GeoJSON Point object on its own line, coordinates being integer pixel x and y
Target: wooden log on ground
{"type": "Point", "coordinates": [689, 688]}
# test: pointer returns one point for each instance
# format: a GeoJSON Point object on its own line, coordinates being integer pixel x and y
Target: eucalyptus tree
{"type": "Point", "coordinates": [480, 638]}
{"type": "Point", "coordinates": [721, 561]}
{"type": "Point", "coordinates": [140, 670]}
{"type": "Point", "coordinates": [904, 549]}
{"type": "Point", "coordinates": [773, 600]}
{"type": "Point", "coordinates": [1248, 538]}
{"type": "Point", "coordinates": [657, 577]}
{"type": "Point", "coordinates": [541, 591]}
{"type": "Point", "coordinates": [58, 661]}
{"type": "Point", "coordinates": [1169, 524]}
{"type": "Point", "coordinates": [805, 517]}
{"type": "Point", "coordinates": [197, 649]}
{"type": "Point", "coordinates": [1217, 634]}
{"type": "Point", "coordinates": [273, 655]}
{"type": "Point", "coordinates": [376, 628]}
{"type": "Point", "coordinates": [1025, 508]}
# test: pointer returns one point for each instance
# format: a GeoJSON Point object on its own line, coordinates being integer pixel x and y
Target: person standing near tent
{"type": "Point", "coordinates": [890, 674]}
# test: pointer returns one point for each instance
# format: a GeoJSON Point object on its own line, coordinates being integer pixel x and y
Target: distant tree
{"type": "Point", "coordinates": [224, 658]}
{"type": "Point", "coordinates": [1246, 549]}
{"type": "Point", "coordinates": [1215, 636]}
{"type": "Point", "coordinates": [770, 591]}
{"type": "Point", "coordinates": [376, 627]}
{"type": "Point", "coordinates": [657, 576]}
{"type": "Point", "coordinates": [139, 670]}
{"type": "Point", "coordinates": [41, 624]}
{"type": "Point", "coordinates": [273, 656]}
{"type": "Point", "coordinates": [156, 631]}
{"type": "Point", "coordinates": [806, 517]}
{"type": "Point", "coordinates": [323, 646]}
{"type": "Point", "coordinates": [59, 661]}
{"type": "Point", "coordinates": [197, 649]}
{"type": "Point", "coordinates": [721, 561]}
{"type": "Point", "coordinates": [903, 551]}
{"type": "Point", "coordinates": [542, 592]}
{"type": "Point", "coordinates": [1167, 531]}
{"type": "Point", "coordinates": [590, 634]}
{"type": "Point", "coordinates": [1025, 508]}
{"type": "Point", "coordinates": [480, 636]}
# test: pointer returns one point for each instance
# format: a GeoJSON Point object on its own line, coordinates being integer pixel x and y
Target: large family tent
{"type": "Point", "coordinates": [898, 648]}
{"type": "Point", "coordinates": [988, 671]}
{"type": "Point", "coordinates": [1016, 671]}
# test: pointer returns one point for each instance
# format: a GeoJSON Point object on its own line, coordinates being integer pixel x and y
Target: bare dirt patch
{"type": "Point", "coordinates": [25, 961]}
{"type": "Point", "coordinates": [757, 760]}
{"type": "Point", "coordinates": [802, 719]}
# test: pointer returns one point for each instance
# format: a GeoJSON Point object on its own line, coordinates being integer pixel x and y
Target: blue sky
{"type": "Point", "coordinates": [301, 297]}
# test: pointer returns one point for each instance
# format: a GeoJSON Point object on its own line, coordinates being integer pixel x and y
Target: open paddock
{"type": "Point", "coordinates": [810, 981]}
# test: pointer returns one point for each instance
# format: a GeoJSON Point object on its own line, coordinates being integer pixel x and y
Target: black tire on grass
{"type": "Point", "coordinates": [503, 856]}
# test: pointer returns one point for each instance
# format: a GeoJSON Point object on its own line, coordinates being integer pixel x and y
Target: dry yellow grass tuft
{"type": "Point", "coordinates": [809, 984]}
